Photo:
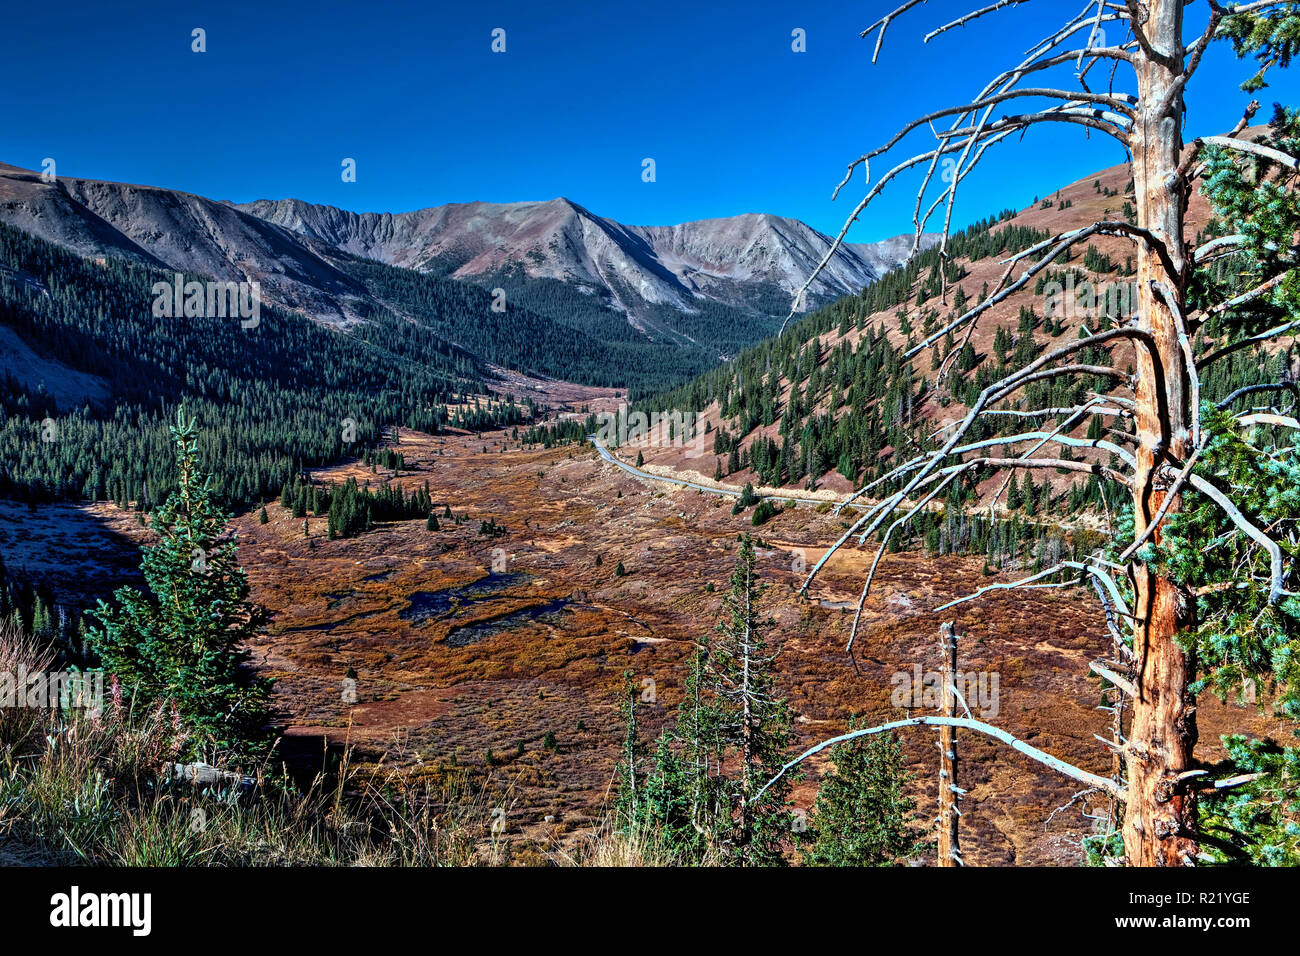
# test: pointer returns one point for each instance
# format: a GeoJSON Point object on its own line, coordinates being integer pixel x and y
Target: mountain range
{"type": "Point", "coordinates": [709, 287]}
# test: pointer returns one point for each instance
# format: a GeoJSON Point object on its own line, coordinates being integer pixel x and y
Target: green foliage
{"type": "Point", "coordinates": [98, 320]}
{"type": "Point", "coordinates": [753, 720]}
{"type": "Point", "coordinates": [1258, 823]}
{"type": "Point", "coordinates": [697, 795]}
{"type": "Point", "coordinates": [863, 815]}
{"type": "Point", "coordinates": [629, 800]}
{"type": "Point", "coordinates": [747, 498]}
{"type": "Point", "coordinates": [1246, 646]}
{"type": "Point", "coordinates": [763, 512]}
{"type": "Point", "coordinates": [1270, 36]}
{"type": "Point", "coordinates": [599, 346]}
{"type": "Point", "coordinates": [1239, 636]}
{"type": "Point", "coordinates": [518, 338]}
{"type": "Point", "coordinates": [353, 509]}
{"type": "Point", "coordinates": [184, 642]}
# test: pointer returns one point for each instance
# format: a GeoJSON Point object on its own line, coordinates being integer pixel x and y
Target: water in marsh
{"type": "Point", "coordinates": [427, 605]}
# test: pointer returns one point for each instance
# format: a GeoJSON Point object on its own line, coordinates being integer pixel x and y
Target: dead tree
{"type": "Point", "coordinates": [949, 792]}
{"type": "Point", "coordinates": [1138, 103]}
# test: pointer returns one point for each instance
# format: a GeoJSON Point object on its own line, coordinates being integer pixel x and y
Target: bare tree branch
{"type": "Point", "coordinates": [1104, 784]}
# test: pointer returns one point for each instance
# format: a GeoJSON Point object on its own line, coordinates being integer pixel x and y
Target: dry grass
{"type": "Point", "coordinates": [19, 654]}
{"type": "Point", "coordinates": [96, 787]}
{"type": "Point", "coordinates": [417, 783]}
{"type": "Point", "coordinates": [608, 846]}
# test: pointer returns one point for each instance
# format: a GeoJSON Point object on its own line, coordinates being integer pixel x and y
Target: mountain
{"type": "Point", "coordinates": [178, 231]}
{"type": "Point", "coordinates": [850, 389]}
{"type": "Point", "coordinates": [827, 404]}
{"type": "Point", "coordinates": [752, 261]}
{"type": "Point", "coordinates": [299, 251]}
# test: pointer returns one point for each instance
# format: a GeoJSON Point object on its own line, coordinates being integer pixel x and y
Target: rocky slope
{"type": "Point", "coordinates": [734, 260]}
{"type": "Point", "coordinates": [180, 231]}
{"type": "Point", "coordinates": [296, 250]}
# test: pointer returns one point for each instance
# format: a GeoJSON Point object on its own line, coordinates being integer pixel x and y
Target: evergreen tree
{"type": "Point", "coordinates": [184, 641]}
{"type": "Point", "coordinates": [629, 801]}
{"type": "Point", "coordinates": [699, 759]}
{"type": "Point", "coordinates": [863, 816]}
{"type": "Point", "coordinates": [753, 722]}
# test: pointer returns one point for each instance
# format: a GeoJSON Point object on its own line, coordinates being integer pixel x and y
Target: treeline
{"type": "Point", "coordinates": [1014, 542]}
{"type": "Point", "coordinates": [852, 407]}
{"type": "Point", "coordinates": [748, 380]}
{"type": "Point", "coordinates": [870, 377]}
{"type": "Point", "coordinates": [676, 346]}
{"type": "Point", "coordinates": [30, 608]}
{"type": "Point", "coordinates": [517, 338]}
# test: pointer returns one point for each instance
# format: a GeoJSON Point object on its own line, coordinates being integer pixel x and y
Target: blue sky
{"type": "Point", "coordinates": [712, 91]}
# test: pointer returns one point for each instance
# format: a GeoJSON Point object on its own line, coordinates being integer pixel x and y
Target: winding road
{"type": "Point", "coordinates": [613, 459]}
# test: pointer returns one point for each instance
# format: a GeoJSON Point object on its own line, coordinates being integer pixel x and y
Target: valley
{"type": "Point", "coordinates": [594, 438]}
{"type": "Point", "coordinates": [514, 646]}
{"type": "Point", "coordinates": [485, 636]}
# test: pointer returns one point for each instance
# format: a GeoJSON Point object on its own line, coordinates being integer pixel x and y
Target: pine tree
{"type": "Point", "coordinates": [753, 722]}
{"type": "Point", "coordinates": [1014, 498]}
{"type": "Point", "coordinates": [700, 756]}
{"type": "Point", "coordinates": [184, 641]}
{"type": "Point", "coordinates": [628, 811]}
{"type": "Point", "coordinates": [863, 816]}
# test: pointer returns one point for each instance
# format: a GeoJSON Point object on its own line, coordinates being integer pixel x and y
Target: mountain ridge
{"type": "Point", "coordinates": [564, 240]}
{"type": "Point", "coordinates": [668, 300]}
{"type": "Point", "coordinates": [292, 246]}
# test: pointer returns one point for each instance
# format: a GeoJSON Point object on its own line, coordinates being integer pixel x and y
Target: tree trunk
{"type": "Point", "coordinates": [1160, 816]}
{"type": "Point", "coordinates": [747, 730]}
{"type": "Point", "coordinates": [949, 847]}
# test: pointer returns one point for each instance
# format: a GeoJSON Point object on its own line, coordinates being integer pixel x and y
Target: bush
{"type": "Point", "coordinates": [764, 511]}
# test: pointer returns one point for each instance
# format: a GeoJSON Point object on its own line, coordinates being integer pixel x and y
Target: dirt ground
{"type": "Point", "coordinates": [464, 643]}
{"type": "Point", "coordinates": [540, 639]}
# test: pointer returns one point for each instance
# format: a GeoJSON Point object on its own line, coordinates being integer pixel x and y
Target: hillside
{"type": "Point", "coordinates": [92, 377]}
{"type": "Point", "coordinates": [778, 417]}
